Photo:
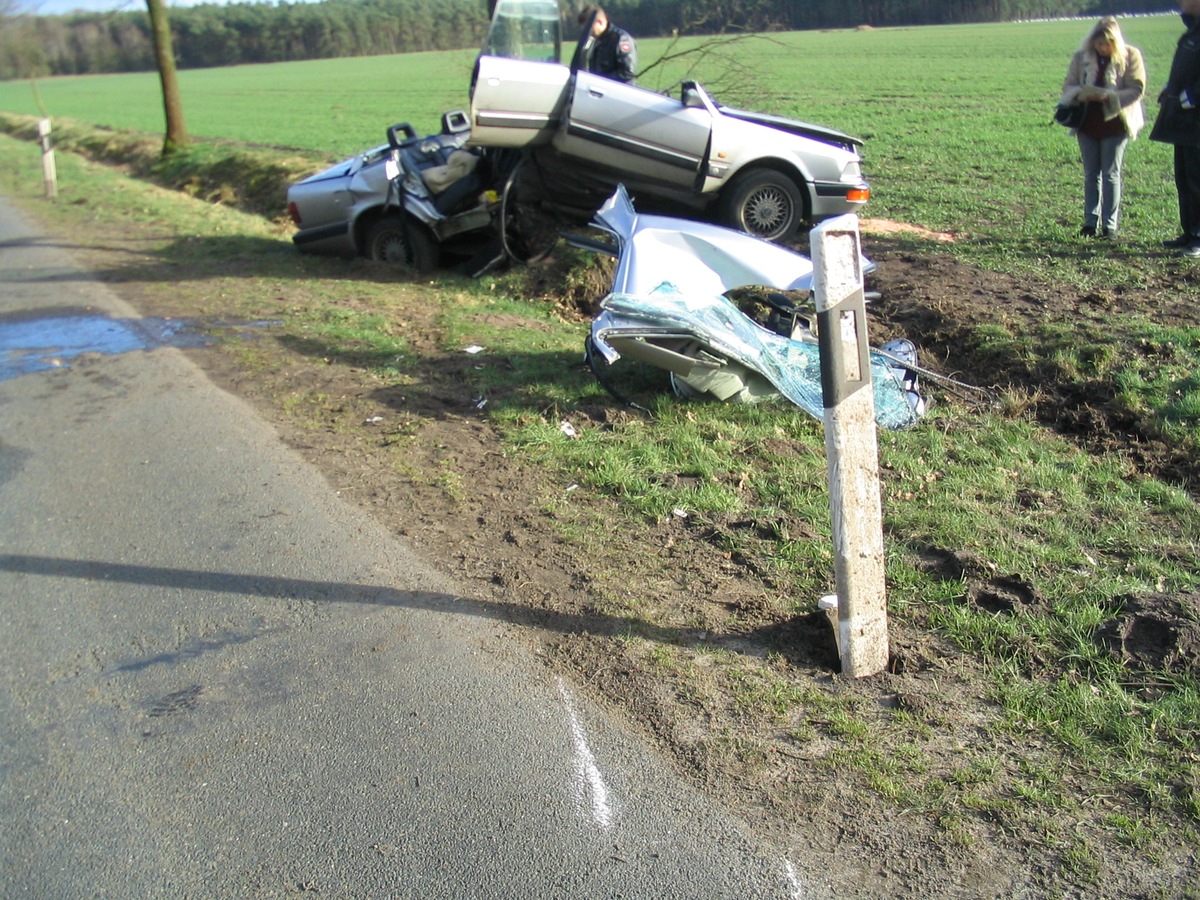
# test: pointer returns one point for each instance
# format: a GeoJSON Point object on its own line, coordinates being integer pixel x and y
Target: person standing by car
{"type": "Point", "coordinates": [614, 53]}
{"type": "Point", "coordinates": [1108, 76]}
{"type": "Point", "coordinates": [1178, 123]}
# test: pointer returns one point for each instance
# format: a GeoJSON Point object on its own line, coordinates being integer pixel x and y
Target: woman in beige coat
{"type": "Point", "coordinates": [1108, 76]}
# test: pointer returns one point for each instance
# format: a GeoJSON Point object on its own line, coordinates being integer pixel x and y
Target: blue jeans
{"type": "Point", "coordinates": [1101, 180]}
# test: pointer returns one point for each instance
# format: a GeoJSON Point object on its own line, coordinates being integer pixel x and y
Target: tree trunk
{"type": "Point", "coordinates": [164, 55]}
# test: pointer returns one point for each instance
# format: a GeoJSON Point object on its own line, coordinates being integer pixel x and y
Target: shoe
{"type": "Point", "coordinates": [1191, 251]}
{"type": "Point", "coordinates": [1087, 231]}
{"type": "Point", "coordinates": [1176, 243]}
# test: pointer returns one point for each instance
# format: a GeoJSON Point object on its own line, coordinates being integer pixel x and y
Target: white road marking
{"type": "Point", "coordinates": [793, 880]}
{"type": "Point", "coordinates": [591, 789]}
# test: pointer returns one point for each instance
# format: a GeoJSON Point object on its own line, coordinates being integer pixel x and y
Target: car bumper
{"type": "Point", "coordinates": [333, 239]}
{"type": "Point", "coordinates": [834, 198]}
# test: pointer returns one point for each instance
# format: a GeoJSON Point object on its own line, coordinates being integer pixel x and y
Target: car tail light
{"type": "Point", "coordinates": [294, 212]}
{"type": "Point", "coordinates": [854, 195]}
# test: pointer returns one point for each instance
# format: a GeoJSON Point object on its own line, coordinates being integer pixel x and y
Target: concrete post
{"type": "Point", "coordinates": [49, 170]}
{"type": "Point", "coordinates": [851, 447]}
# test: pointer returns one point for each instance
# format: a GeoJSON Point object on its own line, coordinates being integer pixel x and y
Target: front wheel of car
{"type": "Point", "coordinates": [764, 203]}
{"type": "Point", "coordinates": [529, 230]}
{"type": "Point", "coordinates": [401, 242]}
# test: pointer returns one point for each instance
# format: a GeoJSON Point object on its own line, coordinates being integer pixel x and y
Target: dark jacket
{"type": "Point", "coordinates": [614, 55]}
{"type": "Point", "coordinates": [1176, 122]}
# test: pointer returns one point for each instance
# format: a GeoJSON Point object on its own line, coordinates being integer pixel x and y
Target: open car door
{"type": "Point", "coordinates": [522, 96]}
{"type": "Point", "coordinates": [519, 87]}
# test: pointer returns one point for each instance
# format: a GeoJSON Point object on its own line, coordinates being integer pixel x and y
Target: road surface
{"type": "Point", "coordinates": [217, 679]}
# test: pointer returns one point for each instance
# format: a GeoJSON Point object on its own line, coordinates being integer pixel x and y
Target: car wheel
{"type": "Point", "coordinates": [763, 203]}
{"type": "Point", "coordinates": [402, 243]}
{"type": "Point", "coordinates": [528, 230]}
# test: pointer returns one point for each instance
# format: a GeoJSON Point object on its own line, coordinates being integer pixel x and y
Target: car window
{"type": "Point", "coordinates": [525, 29]}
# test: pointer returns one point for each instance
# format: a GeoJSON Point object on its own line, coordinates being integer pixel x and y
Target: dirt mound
{"type": "Point", "coordinates": [1156, 635]}
{"type": "Point", "coordinates": [887, 226]}
{"type": "Point", "coordinates": [942, 305]}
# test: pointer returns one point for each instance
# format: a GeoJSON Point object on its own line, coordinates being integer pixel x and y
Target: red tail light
{"type": "Point", "coordinates": [294, 212]}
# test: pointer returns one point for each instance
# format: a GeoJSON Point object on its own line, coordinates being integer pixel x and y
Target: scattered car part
{"type": "Point", "coordinates": [669, 308]}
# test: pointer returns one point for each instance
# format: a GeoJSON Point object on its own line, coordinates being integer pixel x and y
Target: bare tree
{"type": "Point", "coordinates": [725, 60]}
{"type": "Point", "coordinates": [164, 54]}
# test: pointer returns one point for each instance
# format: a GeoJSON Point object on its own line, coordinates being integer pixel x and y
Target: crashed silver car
{"type": "Point", "coordinates": [758, 173]}
{"type": "Point", "coordinates": [670, 308]}
{"type": "Point", "coordinates": [408, 201]}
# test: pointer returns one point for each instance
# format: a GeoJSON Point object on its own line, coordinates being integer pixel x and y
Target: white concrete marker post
{"type": "Point", "coordinates": [851, 447]}
{"type": "Point", "coordinates": [49, 170]}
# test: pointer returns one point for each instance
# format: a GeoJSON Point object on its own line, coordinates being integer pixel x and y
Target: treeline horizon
{"type": "Point", "coordinates": [210, 35]}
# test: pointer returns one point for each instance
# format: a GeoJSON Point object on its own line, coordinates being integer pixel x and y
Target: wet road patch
{"type": "Point", "coordinates": [34, 341]}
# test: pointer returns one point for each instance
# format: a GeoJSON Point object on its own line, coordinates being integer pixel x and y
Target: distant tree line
{"type": "Point", "coordinates": [209, 35]}
{"type": "Point", "coordinates": [663, 17]}
{"type": "Point", "coordinates": [258, 32]}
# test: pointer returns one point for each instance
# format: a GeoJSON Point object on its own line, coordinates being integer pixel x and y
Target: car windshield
{"type": "Point", "coordinates": [525, 29]}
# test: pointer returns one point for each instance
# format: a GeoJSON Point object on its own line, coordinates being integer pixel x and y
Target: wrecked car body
{"type": "Point", "coordinates": [669, 308]}
{"type": "Point", "coordinates": [762, 174]}
{"type": "Point", "coordinates": [410, 201]}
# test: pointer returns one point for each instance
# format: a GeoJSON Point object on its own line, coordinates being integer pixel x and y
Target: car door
{"type": "Point", "coordinates": [519, 86]}
{"type": "Point", "coordinates": [629, 129]}
{"type": "Point", "coordinates": [516, 102]}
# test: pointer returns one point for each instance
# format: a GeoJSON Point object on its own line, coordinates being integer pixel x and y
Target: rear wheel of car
{"type": "Point", "coordinates": [764, 203]}
{"type": "Point", "coordinates": [401, 242]}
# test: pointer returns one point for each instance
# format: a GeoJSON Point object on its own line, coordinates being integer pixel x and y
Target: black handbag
{"type": "Point", "coordinates": [1069, 115]}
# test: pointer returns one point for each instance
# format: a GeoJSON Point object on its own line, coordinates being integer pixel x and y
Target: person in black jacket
{"type": "Point", "coordinates": [1178, 123]}
{"type": "Point", "coordinates": [614, 53]}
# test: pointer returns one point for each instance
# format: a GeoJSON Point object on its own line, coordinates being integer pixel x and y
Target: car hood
{"type": "Point", "coordinates": [804, 129]}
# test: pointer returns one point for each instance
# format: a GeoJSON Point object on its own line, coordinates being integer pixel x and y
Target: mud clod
{"type": "Point", "coordinates": [1155, 635]}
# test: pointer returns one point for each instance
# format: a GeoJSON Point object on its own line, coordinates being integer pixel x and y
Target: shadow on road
{"type": "Point", "coordinates": [189, 258]}
{"type": "Point", "coordinates": [271, 586]}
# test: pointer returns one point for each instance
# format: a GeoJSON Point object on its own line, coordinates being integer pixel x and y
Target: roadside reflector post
{"type": "Point", "coordinates": [49, 171]}
{"type": "Point", "coordinates": [851, 447]}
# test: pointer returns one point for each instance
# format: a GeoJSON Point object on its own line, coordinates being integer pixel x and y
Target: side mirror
{"type": "Point", "coordinates": [690, 95]}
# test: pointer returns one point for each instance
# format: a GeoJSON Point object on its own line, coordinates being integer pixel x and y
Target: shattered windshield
{"type": "Point", "coordinates": [792, 366]}
{"type": "Point", "coordinates": [668, 307]}
{"type": "Point", "coordinates": [525, 29]}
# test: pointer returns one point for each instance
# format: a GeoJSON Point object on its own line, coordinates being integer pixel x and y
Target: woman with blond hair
{"type": "Point", "coordinates": [1107, 75]}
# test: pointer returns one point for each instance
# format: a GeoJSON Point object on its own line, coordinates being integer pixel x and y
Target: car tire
{"type": "Point", "coordinates": [764, 203]}
{"type": "Point", "coordinates": [401, 242]}
{"type": "Point", "coordinates": [528, 230]}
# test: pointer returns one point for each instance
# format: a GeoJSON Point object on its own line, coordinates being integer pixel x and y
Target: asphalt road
{"type": "Point", "coordinates": [217, 679]}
